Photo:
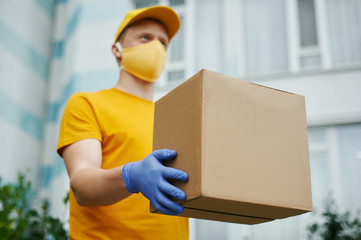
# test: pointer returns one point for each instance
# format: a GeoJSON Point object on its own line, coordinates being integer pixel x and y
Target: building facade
{"type": "Point", "coordinates": [50, 49]}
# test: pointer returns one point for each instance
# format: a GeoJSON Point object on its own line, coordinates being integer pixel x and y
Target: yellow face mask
{"type": "Point", "coordinates": [146, 61]}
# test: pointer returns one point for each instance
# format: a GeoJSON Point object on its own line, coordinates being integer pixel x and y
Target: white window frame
{"type": "Point", "coordinates": [330, 146]}
{"type": "Point", "coordinates": [295, 51]}
{"type": "Point", "coordinates": [178, 65]}
{"type": "Point", "coordinates": [236, 21]}
{"type": "Point", "coordinates": [322, 32]}
{"type": "Point", "coordinates": [187, 65]}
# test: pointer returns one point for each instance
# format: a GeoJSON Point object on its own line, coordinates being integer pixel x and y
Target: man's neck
{"type": "Point", "coordinates": [131, 84]}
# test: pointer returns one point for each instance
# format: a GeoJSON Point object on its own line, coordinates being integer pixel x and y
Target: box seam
{"type": "Point", "coordinates": [232, 214]}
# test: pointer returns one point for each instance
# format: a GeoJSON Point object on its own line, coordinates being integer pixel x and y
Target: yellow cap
{"type": "Point", "coordinates": [162, 13]}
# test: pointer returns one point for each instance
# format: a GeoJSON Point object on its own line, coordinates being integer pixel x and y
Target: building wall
{"type": "Point", "coordinates": [25, 52]}
{"type": "Point", "coordinates": [83, 61]}
{"type": "Point", "coordinates": [331, 96]}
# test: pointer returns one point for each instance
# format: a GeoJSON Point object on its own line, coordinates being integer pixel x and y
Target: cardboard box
{"type": "Point", "coordinates": [244, 146]}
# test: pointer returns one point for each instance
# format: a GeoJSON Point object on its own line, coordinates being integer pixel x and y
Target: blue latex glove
{"type": "Point", "coordinates": [149, 177]}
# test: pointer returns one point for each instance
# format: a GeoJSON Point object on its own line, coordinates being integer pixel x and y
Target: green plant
{"type": "Point", "coordinates": [18, 221]}
{"type": "Point", "coordinates": [335, 225]}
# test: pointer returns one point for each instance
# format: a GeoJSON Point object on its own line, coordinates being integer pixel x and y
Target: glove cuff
{"type": "Point", "coordinates": [126, 177]}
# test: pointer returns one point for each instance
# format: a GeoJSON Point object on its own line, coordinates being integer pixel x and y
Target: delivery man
{"type": "Point", "coordinates": [106, 142]}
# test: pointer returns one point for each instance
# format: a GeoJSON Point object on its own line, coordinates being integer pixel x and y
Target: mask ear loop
{"type": "Point", "coordinates": [120, 49]}
{"type": "Point", "coordinates": [117, 44]}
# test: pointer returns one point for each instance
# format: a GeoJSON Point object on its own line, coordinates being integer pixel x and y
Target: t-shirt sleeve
{"type": "Point", "coordinates": [78, 122]}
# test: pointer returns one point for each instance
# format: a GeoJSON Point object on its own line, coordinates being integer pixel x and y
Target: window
{"type": "Point", "coordinates": [297, 35]}
{"type": "Point", "coordinates": [265, 36]}
{"type": "Point", "coordinates": [335, 156]}
{"type": "Point", "coordinates": [174, 3]}
{"type": "Point", "coordinates": [145, 3]}
{"type": "Point", "coordinates": [308, 47]}
{"type": "Point", "coordinates": [176, 69]}
{"type": "Point", "coordinates": [176, 76]}
{"type": "Point", "coordinates": [329, 34]}
{"type": "Point", "coordinates": [320, 165]}
{"type": "Point", "coordinates": [349, 145]}
{"type": "Point", "coordinates": [307, 21]}
{"type": "Point", "coordinates": [177, 46]}
{"type": "Point", "coordinates": [176, 60]}
{"type": "Point", "coordinates": [344, 28]}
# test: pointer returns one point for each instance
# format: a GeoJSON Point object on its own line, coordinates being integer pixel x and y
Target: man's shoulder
{"type": "Point", "coordinates": [84, 100]}
{"type": "Point", "coordinates": [90, 96]}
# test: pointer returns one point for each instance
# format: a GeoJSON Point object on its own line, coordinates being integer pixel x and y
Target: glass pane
{"type": "Point", "coordinates": [177, 44]}
{"type": "Point", "coordinates": [316, 135]}
{"type": "Point", "coordinates": [310, 62]}
{"type": "Point", "coordinates": [344, 26]}
{"type": "Point", "coordinates": [320, 178]}
{"type": "Point", "coordinates": [176, 76]}
{"type": "Point", "coordinates": [284, 229]}
{"type": "Point", "coordinates": [350, 157]}
{"type": "Point", "coordinates": [211, 230]}
{"type": "Point", "coordinates": [306, 13]}
{"type": "Point", "coordinates": [173, 3]}
{"type": "Point", "coordinates": [265, 36]}
{"type": "Point", "coordinates": [145, 3]}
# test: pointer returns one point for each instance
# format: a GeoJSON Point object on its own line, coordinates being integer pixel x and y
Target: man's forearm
{"type": "Point", "coordinates": [98, 187]}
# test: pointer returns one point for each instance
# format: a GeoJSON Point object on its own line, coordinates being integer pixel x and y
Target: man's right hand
{"type": "Point", "coordinates": [149, 176]}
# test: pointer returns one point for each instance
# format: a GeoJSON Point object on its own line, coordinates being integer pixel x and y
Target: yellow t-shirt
{"type": "Point", "coordinates": [123, 123]}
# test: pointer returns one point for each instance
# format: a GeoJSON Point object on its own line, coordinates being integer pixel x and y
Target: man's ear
{"type": "Point", "coordinates": [117, 50]}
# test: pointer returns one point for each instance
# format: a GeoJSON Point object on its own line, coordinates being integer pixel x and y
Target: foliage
{"type": "Point", "coordinates": [335, 225]}
{"type": "Point", "coordinates": [18, 221]}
